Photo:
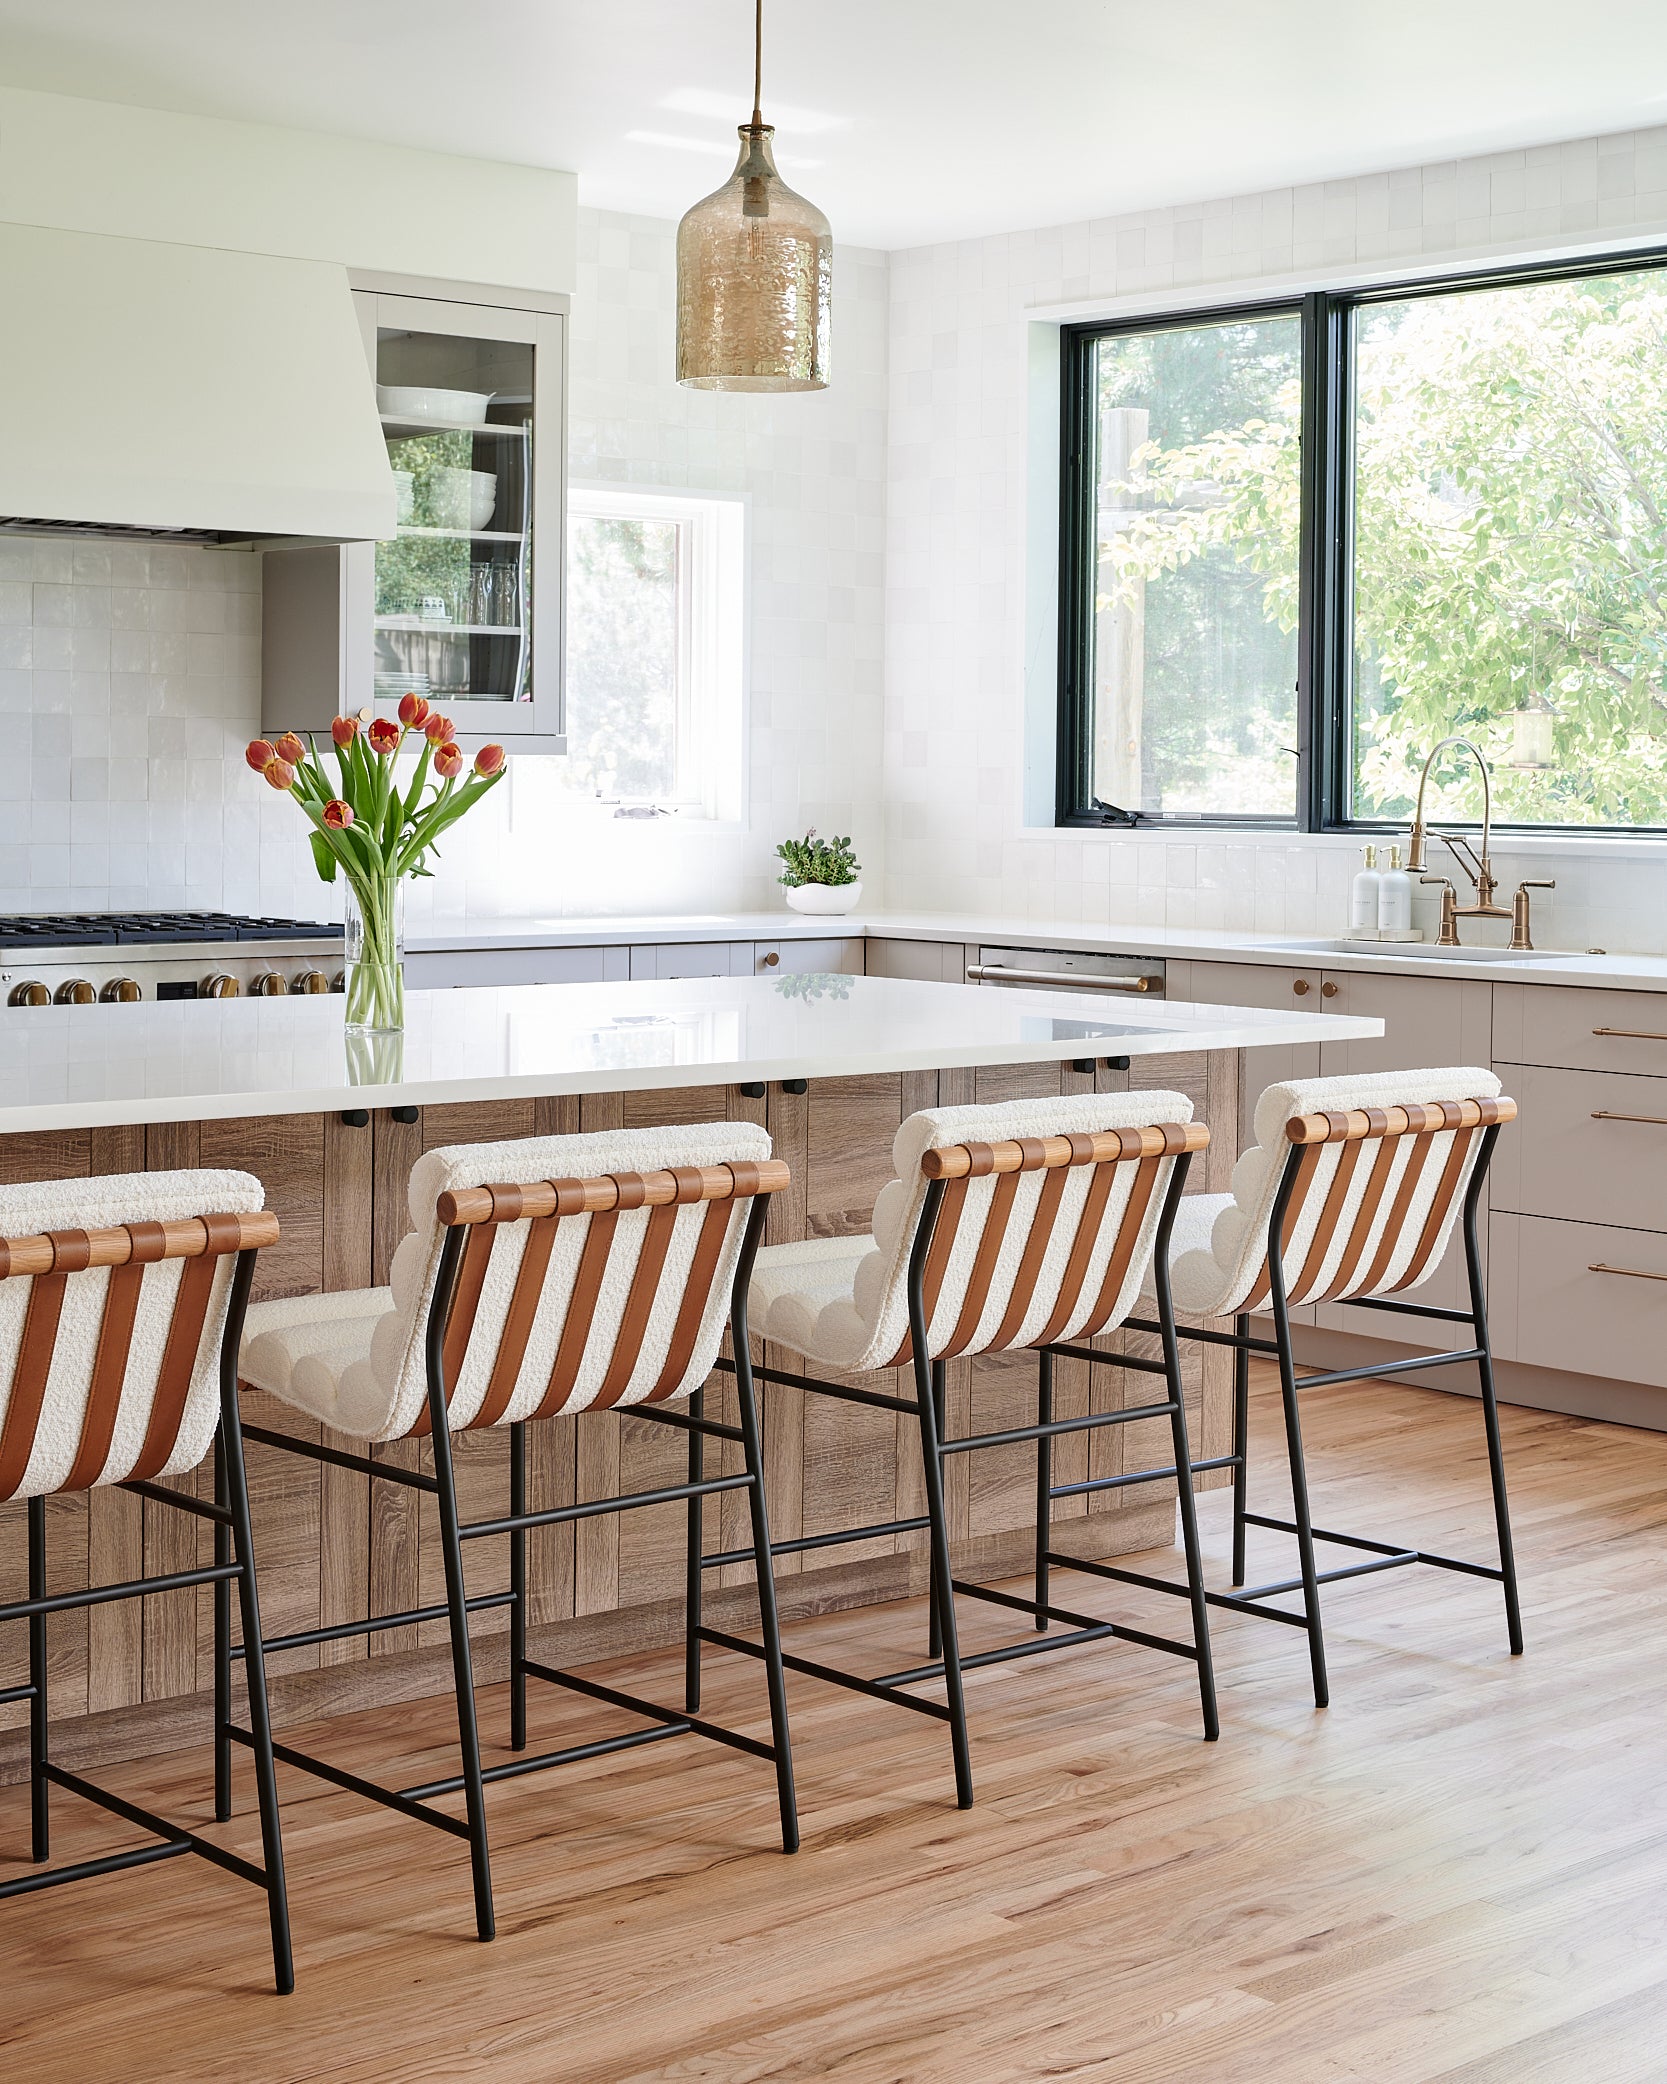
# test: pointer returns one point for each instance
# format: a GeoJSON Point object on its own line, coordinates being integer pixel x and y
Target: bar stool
{"type": "Point", "coordinates": [1006, 1227]}
{"type": "Point", "coordinates": [1350, 1193]}
{"type": "Point", "coordinates": [121, 1307]}
{"type": "Point", "coordinates": [551, 1276]}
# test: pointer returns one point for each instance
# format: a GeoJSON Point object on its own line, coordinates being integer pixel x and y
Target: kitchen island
{"type": "Point", "coordinates": [332, 1124]}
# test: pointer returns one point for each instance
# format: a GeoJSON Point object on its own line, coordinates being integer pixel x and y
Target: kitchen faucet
{"type": "Point", "coordinates": [1478, 868]}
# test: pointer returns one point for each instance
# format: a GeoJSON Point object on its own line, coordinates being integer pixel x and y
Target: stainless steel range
{"type": "Point", "coordinates": [79, 958]}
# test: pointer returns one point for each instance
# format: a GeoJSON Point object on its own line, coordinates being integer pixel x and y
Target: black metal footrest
{"type": "Point", "coordinates": [1379, 1548]}
{"type": "Point", "coordinates": [173, 1840]}
{"type": "Point", "coordinates": [832, 1675]}
{"type": "Point", "coordinates": [1234, 1602]}
{"type": "Point", "coordinates": [1086, 1625]}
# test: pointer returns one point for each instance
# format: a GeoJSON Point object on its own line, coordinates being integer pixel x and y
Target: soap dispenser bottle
{"type": "Point", "coordinates": [1363, 897]}
{"type": "Point", "coordinates": [1394, 897]}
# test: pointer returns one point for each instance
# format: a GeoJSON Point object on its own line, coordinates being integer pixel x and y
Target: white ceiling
{"type": "Point", "coordinates": [909, 121]}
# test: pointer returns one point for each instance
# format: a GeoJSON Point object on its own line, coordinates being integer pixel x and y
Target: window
{"type": "Point", "coordinates": [1438, 511]}
{"type": "Point", "coordinates": [654, 649]}
{"type": "Point", "coordinates": [1186, 619]}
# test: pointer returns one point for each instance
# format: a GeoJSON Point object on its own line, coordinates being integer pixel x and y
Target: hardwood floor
{"type": "Point", "coordinates": [1457, 1873]}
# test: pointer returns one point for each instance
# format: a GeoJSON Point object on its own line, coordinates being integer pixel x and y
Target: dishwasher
{"type": "Point", "coordinates": [1054, 969]}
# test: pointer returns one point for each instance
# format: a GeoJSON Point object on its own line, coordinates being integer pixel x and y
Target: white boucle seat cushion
{"type": "Point", "coordinates": [843, 1301]}
{"type": "Point", "coordinates": [356, 1360]}
{"type": "Point", "coordinates": [93, 1204]}
{"type": "Point", "coordinates": [1219, 1241]}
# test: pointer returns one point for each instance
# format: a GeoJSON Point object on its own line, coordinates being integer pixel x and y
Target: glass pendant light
{"type": "Point", "coordinates": [754, 274]}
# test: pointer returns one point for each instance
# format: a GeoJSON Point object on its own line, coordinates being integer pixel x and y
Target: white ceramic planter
{"type": "Point", "coordinates": [824, 897]}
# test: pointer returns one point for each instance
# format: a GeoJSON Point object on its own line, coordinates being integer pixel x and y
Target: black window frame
{"type": "Point", "coordinates": [1325, 551]}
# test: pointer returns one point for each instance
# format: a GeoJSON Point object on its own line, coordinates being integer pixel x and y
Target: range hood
{"type": "Point", "coordinates": [184, 390]}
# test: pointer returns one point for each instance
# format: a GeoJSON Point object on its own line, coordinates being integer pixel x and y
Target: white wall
{"type": "Point", "coordinates": [969, 576]}
{"type": "Point", "coordinates": [132, 673]}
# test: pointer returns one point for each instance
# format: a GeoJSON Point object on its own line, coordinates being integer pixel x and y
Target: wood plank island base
{"type": "Point", "coordinates": [829, 1065]}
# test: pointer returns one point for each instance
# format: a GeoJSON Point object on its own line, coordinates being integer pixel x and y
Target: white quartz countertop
{"type": "Point", "coordinates": [1308, 951]}
{"type": "Point", "coordinates": [67, 1067]}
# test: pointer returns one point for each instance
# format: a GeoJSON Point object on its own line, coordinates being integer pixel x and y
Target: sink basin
{"type": "Point", "coordinates": [1426, 951]}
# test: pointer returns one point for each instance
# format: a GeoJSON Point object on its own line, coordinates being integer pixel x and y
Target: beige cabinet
{"type": "Point", "coordinates": [447, 969]}
{"type": "Point", "coordinates": [1581, 1030]}
{"type": "Point", "coordinates": [808, 958]}
{"type": "Point", "coordinates": [1594, 1149]}
{"type": "Point", "coordinates": [1255, 984]}
{"type": "Point", "coordinates": [927, 962]}
{"type": "Point", "coordinates": [672, 959]}
{"type": "Point", "coordinates": [1581, 1297]}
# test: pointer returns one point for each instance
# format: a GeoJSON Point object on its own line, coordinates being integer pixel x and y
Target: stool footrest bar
{"type": "Point", "coordinates": [802, 1543]}
{"type": "Point", "coordinates": [513, 1769]}
{"type": "Point", "coordinates": [1076, 1621]}
{"type": "Point", "coordinates": [1330, 1577]}
{"type": "Point", "coordinates": [634, 1704]}
{"type": "Point", "coordinates": [132, 1588]}
{"type": "Point", "coordinates": [356, 1784]}
{"type": "Point", "coordinates": [305, 1638]}
{"type": "Point", "coordinates": [1106, 1360]}
{"type": "Point", "coordinates": [592, 1508]}
{"type": "Point", "coordinates": [877, 1689]}
{"type": "Point", "coordinates": [86, 1870]}
{"type": "Point", "coordinates": [1117, 1483]}
{"type": "Point", "coordinates": [171, 1834]}
{"type": "Point", "coordinates": [367, 1465]}
{"type": "Point", "coordinates": [1088, 1423]}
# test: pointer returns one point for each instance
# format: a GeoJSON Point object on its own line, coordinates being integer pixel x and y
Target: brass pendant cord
{"type": "Point", "coordinates": [758, 65]}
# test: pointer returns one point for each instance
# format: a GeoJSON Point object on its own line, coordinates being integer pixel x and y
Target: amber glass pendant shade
{"type": "Point", "coordinates": [754, 282]}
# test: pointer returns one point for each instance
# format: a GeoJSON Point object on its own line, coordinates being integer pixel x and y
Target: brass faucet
{"type": "Point", "coordinates": [1479, 868]}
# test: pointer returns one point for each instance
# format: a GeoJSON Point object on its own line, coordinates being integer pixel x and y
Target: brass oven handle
{"type": "Point", "coordinates": [1632, 1034]}
{"type": "Point", "coordinates": [1633, 1273]}
{"type": "Point", "coordinates": [993, 972]}
{"type": "Point", "coordinates": [1608, 1114]}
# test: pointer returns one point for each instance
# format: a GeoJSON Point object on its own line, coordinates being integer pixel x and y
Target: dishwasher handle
{"type": "Point", "coordinates": [998, 973]}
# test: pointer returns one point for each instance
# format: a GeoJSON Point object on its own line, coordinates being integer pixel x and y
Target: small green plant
{"type": "Point", "coordinates": [813, 860]}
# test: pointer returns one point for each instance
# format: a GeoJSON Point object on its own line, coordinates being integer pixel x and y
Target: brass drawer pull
{"type": "Point", "coordinates": [1632, 1034]}
{"type": "Point", "coordinates": [1633, 1273]}
{"type": "Point", "coordinates": [1608, 1114]}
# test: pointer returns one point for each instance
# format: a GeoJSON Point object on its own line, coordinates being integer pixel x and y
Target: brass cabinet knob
{"type": "Point", "coordinates": [1328, 990]}
{"type": "Point", "coordinates": [269, 985]}
{"type": "Point", "coordinates": [121, 991]}
{"type": "Point", "coordinates": [309, 981]}
{"type": "Point", "coordinates": [771, 959]}
{"type": "Point", "coordinates": [30, 994]}
{"type": "Point", "coordinates": [220, 986]}
{"type": "Point", "coordinates": [1300, 986]}
{"type": "Point", "coordinates": [75, 991]}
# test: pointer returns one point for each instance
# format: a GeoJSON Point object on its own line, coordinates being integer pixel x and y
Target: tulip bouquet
{"type": "Point", "coordinates": [375, 833]}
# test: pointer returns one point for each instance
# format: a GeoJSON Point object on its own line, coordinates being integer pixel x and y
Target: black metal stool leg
{"type": "Point", "coordinates": [40, 1823]}
{"type": "Point", "coordinates": [518, 1590]}
{"type": "Point", "coordinates": [692, 1571]}
{"type": "Point", "coordinates": [1184, 1493]}
{"type": "Point", "coordinates": [230, 1460]}
{"type": "Point", "coordinates": [1044, 1482]}
{"type": "Point", "coordinates": [940, 1405]}
{"type": "Point", "coordinates": [1490, 1418]}
{"type": "Point", "coordinates": [462, 1664]}
{"type": "Point", "coordinates": [1299, 1491]}
{"type": "Point", "coordinates": [942, 1591]}
{"type": "Point", "coordinates": [222, 1645]}
{"type": "Point", "coordinates": [769, 1621]}
{"type": "Point", "coordinates": [1241, 1443]}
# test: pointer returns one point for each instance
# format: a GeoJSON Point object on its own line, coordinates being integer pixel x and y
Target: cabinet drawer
{"type": "Point", "coordinates": [1552, 1306]}
{"type": "Point", "coordinates": [1581, 1030]}
{"type": "Point", "coordinates": [1591, 1147]}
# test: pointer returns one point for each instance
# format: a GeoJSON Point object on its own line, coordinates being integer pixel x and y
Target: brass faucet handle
{"type": "Point", "coordinates": [1521, 926]}
{"type": "Point", "coordinates": [1448, 937]}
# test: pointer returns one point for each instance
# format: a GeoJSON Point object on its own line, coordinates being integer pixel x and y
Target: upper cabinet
{"type": "Point", "coordinates": [464, 605]}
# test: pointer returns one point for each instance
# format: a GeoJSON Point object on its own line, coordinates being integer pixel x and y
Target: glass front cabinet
{"type": "Point", "coordinates": [464, 605]}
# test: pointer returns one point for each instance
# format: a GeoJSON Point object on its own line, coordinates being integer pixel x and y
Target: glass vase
{"type": "Point", "coordinates": [375, 969]}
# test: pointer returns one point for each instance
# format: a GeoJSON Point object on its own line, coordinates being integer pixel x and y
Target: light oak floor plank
{"type": "Point", "coordinates": [1456, 1875]}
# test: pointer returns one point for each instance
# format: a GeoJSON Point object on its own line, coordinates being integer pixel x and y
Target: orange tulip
{"type": "Point", "coordinates": [413, 711]}
{"type": "Point", "coordinates": [489, 760]}
{"type": "Point", "coordinates": [345, 729]}
{"type": "Point", "coordinates": [383, 735]}
{"type": "Point", "coordinates": [438, 729]}
{"type": "Point", "coordinates": [448, 762]}
{"type": "Point", "coordinates": [279, 773]}
{"type": "Point", "coordinates": [290, 749]}
{"type": "Point", "coordinates": [338, 815]}
{"type": "Point", "coordinates": [257, 752]}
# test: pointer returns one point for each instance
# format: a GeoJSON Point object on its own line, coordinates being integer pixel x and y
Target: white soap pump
{"type": "Point", "coordinates": [1394, 897]}
{"type": "Point", "coordinates": [1363, 896]}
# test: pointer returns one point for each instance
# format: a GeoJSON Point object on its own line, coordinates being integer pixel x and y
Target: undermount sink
{"type": "Point", "coordinates": [1427, 951]}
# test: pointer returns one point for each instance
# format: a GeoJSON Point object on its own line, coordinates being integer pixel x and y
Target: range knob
{"type": "Point", "coordinates": [33, 993]}
{"type": "Point", "coordinates": [309, 981]}
{"type": "Point", "coordinates": [121, 991]}
{"type": "Point", "coordinates": [339, 981]}
{"type": "Point", "coordinates": [75, 991]}
{"type": "Point", "coordinates": [219, 986]}
{"type": "Point", "coordinates": [269, 985]}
